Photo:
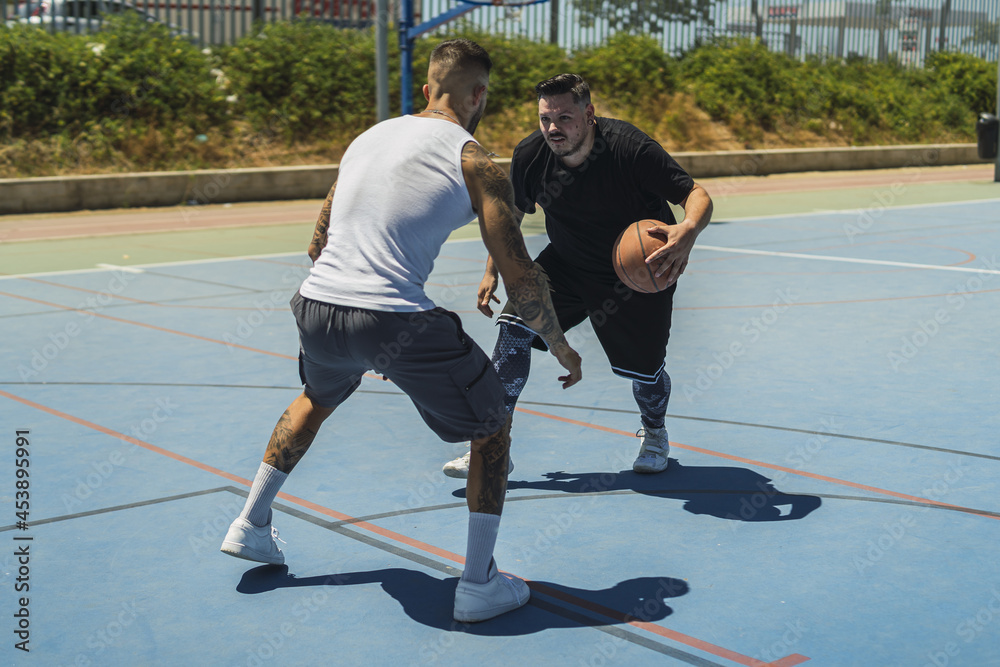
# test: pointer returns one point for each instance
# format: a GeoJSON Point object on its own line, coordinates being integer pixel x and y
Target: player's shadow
{"type": "Point", "coordinates": [430, 601]}
{"type": "Point", "coordinates": [726, 492]}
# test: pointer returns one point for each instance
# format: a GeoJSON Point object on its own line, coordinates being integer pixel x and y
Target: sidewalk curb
{"type": "Point", "coordinates": [74, 193]}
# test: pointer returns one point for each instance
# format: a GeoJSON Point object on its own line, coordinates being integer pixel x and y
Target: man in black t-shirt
{"type": "Point", "coordinates": [594, 177]}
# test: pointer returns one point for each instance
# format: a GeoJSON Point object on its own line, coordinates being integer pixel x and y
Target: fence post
{"type": "Point", "coordinates": [996, 168]}
{"type": "Point", "coordinates": [381, 60]}
{"type": "Point", "coordinates": [554, 22]}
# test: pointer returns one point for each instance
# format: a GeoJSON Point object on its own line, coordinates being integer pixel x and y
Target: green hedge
{"type": "Point", "coordinates": [131, 76]}
{"type": "Point", "coordinates": [303, 77]}
{"type": "Point", "coordinates": [303, 80]}
{"type": "Point", "coordinates": [751, 88]}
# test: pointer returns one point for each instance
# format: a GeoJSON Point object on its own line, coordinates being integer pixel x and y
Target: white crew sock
{"type": "Point", "coordinates": [265, 488]}
{"type": "Point", "coordinates": [483, 529]}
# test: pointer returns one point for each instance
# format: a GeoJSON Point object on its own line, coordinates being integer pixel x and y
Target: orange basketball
{"type": "Point", "coordinates": [631, 249]}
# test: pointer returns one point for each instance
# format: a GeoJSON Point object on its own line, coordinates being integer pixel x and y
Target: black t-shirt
{"type": "Point", "coordinates": [626, 177]}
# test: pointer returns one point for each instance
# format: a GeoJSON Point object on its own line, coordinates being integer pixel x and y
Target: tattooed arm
{"type": "Point", "coordinates": [319, 235]}
{"type": "Point", "coordinates": [527, 287]}
{"type": "Point", "coordinates": [488, 285]}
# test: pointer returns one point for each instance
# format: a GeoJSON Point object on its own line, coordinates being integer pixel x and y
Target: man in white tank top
{"type": "Point", "coordinates": [404, 186]}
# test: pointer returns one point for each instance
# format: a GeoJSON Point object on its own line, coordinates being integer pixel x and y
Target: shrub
{"type": "Point", "coordinates": [741, 80]}
{"type": "Point", "coordinates": [303, 77]}
{"type": "Point", "coordinates": [129, 76]}
{"type": "Point", "coordinates": [972, 80]}
{"type": "Point", "coordinates": [627, 68]}
{"type": "Point", "coordinates": [518, 65]}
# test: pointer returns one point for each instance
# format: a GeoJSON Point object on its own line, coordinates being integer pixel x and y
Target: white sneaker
{"type": "Point", "coordinates": [459, 468]}
{"type": "Point", "coordinates": [250, 542]}
{"type": "Point", "coordinates": [653, 452]}
{"type": "Point", "coordinates": [479, 602]}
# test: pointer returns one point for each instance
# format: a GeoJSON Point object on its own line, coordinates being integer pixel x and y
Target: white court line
{"type": "Point", "coordinates": [733, 219]}
{"type": "Point", "coordinates": [857, 211]}
{"type": "Point", "coordinates": [115, 267]}
{"type": "Point", "coordinates": [138, 268]}
{"type": "Point", "coordinates": [849, 260]}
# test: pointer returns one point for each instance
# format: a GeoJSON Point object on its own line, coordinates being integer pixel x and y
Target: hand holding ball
{"type": "Point", "coordinates": [631, 249]}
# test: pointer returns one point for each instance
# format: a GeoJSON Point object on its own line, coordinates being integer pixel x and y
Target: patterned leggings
{"type": "Point", "coordinates": [512, 361]}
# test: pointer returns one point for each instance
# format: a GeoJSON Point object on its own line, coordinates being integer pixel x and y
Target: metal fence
{"type": "Point", "coordinates": [906, 30]}
{"type": "Point", "coordinates": [204, 22]}
{"type": "Point", "coordinates": [877, 29]}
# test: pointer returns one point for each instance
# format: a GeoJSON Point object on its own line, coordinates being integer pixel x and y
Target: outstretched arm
{"type": "Point", "coordinates": [322, 225]}
{"type": "Point", "coordinates": [527, 287]}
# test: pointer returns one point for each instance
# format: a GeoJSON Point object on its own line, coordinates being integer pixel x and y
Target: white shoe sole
{"type": "Point", "coordinates": [456, 472]}
{"type": "Point", "coordinates": [244, 552]}
{"type": "Point", "coordinates": [486, 613]}
{"type": "Point", "coordinates": [647, 469]}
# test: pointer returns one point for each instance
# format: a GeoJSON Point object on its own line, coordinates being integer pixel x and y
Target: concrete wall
{"type": "Point", "coordinates": [764, 162]}
{"type": "Point", "coordinates": [74, 193]}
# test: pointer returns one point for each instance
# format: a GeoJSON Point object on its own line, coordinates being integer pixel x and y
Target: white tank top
{"type": "Point", "coordinates": [400, 193]}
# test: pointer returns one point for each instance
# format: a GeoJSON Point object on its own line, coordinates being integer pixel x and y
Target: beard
{"type": "Point", "coordinates": [566, 148]}
{"type": "Point", "coordinates": [476, 117]}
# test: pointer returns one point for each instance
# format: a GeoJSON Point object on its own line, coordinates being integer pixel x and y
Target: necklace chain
{"type": "Point", "coordinates": [438, 111]}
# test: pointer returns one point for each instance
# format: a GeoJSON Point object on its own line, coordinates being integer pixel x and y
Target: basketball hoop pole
{"type": "Point", "coordinates": [408, 34]}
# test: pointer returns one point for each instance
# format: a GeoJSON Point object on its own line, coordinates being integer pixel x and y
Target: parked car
{"type": "Point", "coordinates": [81, 15]}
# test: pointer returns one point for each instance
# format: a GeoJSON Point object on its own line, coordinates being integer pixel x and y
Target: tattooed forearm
{"type": "Point", "coordinates": [527, 286]}
{"type": "Point", "coordinates": [531, 298]}
{"type": "Point", "coordinates": [322, 225]}
{"type": "Point", "coordinates": [288, 445]}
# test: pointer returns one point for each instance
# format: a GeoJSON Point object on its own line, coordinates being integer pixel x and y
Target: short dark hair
{"type": "Point", "coordinates": [565, 83]}
{"type": "Point", "coordinates": [461, 53]}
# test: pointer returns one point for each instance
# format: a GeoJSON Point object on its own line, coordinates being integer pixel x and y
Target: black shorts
{"type": "Point", "coordinates": [448, 377]}
{"type": "Point", "coordinates": [632, 327]}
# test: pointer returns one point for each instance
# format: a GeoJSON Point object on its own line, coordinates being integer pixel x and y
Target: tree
{"type": "Point", "coordinates": [644, 15]}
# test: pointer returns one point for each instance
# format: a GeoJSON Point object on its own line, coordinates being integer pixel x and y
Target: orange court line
{"type": "Point", "coordinates": [409, 541]}
{"type": "Point", "coordinates": [128, 298]}
{"type": "Point", "coordinates": [772, 466]}
{"type": "Point", "coordinates": [662, 631]}
{"type": "Point", "coordinates": [147, 326]}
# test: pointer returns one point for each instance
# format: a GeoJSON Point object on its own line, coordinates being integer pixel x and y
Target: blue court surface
{"type": "Point", "coordinates": [833, 498]}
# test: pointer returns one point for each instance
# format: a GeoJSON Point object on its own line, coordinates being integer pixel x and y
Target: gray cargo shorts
{"type": "Point", "coordinates": [448, 377]}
